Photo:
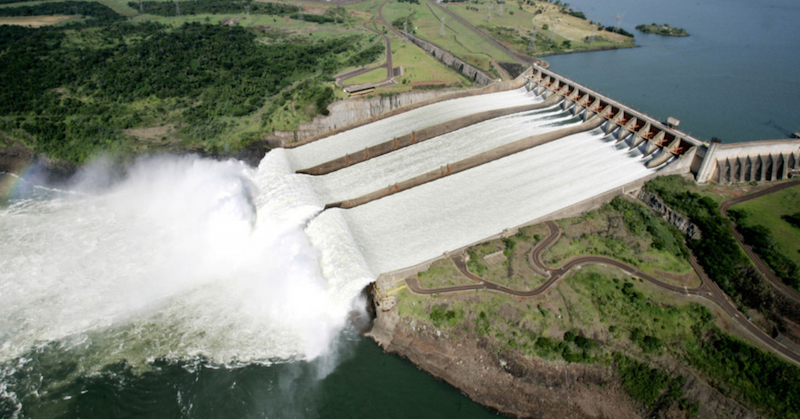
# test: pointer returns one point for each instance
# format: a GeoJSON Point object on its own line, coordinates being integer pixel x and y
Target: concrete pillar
{"type": "Point", "coordinates": [728, 171]}
{"type": "Point", "coordinates": [756, 168]}
{"type": "Point", "coordinates": [650, 147]}
{"type": "Point", "coordinates": [774, 160]}
{"type": "Point", "coordinates": [742, 169]}
{"type": "Point", "coordinates": [764, 166]}
{"type": "Point", "coordinates": [784, 171]}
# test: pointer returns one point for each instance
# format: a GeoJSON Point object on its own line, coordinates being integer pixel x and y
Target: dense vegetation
{"type": "Point", "coordinates": [720, 254]}
{"type": "Point", "coordinates": [196, 7]}
{"type": "Point", "coordinates": [762, 242]}
{"type": "Point", "coordinates": [664, 29]}
{"type": "Point", "coordinates": [717, 250]}
{"type": "Point", "coordinates": [793, 219]}
{"type": "Point", "coordinates": [639, 219]}
{"type": "Point", "coordinates": [98, 12]}
{"type": "Point", "coordinates": [72, 91]}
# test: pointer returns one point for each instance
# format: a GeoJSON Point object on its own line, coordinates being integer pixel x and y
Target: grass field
{"type": "Point", "coordinates": [768, 210]}
{"type": "Point", "coordinates": [458, 39]}
{"type": "Point", "coordinates": [419, 68]}
{"type": "Point", "coordinates": [374, 76]}
{"type": "Point", "coordinates": [35, 21]}
{"type": "Point", "coordinates": [515, 25]}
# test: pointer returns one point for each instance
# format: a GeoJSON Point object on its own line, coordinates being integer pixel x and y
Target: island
{"type": "Point", "coordinates": [664, 30]}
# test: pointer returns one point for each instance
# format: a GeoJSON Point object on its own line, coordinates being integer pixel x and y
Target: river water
{"type": "Point", "coordinates": [734, 78]}
{"type": "Point", "coordinates": [183, 290]}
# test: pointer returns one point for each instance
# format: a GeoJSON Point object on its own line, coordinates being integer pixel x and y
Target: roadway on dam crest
{"type": "Point", "coordinates": [707, 289]}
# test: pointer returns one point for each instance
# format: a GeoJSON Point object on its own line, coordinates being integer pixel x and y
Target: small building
{"type": "Point", "coordinates": [673, 122]}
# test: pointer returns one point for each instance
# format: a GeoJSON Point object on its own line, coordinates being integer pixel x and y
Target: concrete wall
{"type": "Point", "coordinates": [479, 76]}
{"type": "Point", "coordinates": [468, 163]}
{"type": "Point", "coordinates": [748, 162]}
{"type": "Point", "coordinates": [420, 136]}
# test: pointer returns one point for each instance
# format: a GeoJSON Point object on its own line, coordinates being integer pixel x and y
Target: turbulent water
{"type": "Point", "coordinates": [186, 268]}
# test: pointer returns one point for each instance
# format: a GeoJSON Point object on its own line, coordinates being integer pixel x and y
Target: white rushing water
{"type": "Point", "coordinates": [189, 257]}
{"type": "Point", "coordinates": [383, 130]}
{"type": "Point", "coordinates": [184, 257]}
{"type": "Point", "coordinates": [385, 170]}
{"type": "Point", "coordinates": [421, 223]}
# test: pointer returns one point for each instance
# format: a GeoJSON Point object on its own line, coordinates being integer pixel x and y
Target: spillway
{"type": "Point", "coordinates": [420, 224]}
{"type": "Point", "coordinates": [403, 164]}
{"type": "Point", "coordinates": [360, 138]}
{"type": "Point", "coordinates": [189, 258]}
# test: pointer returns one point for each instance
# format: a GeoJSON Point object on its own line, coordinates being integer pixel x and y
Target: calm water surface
{"type": "Point", "coordinates": [734, 78]}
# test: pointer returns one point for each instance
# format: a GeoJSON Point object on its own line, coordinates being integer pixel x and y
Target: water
{"type": "Point", "coordinates": [733, 78]}
{"type": "Point", "coordinates": [422, 223]}
{"type": "Point", "coordinates": [385, 170]}
{"type": "Point", "coordinates": [206, 289]}
{"type": "Point", "coordinates": [386, 129]}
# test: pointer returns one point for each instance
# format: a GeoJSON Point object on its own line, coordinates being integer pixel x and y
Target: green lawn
{"type": "Point", "coordinates": [514, 30]}
{"type": "Point", "coordinates": [374, 76]}
{"type": "Point", "coordinates": [768, 210]}
{"type": "Point", "coordinates": [458, 39]}
{"type": "Point", "coordinates": [419, 68]}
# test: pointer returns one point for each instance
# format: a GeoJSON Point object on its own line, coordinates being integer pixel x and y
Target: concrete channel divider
{"type": "Point", "coordinates": [421, 135]}
{"type": "Point", "coordinates": [469, 163]}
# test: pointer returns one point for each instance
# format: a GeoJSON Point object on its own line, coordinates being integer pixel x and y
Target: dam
{"type": "Point", "coordinates": [416, 185]}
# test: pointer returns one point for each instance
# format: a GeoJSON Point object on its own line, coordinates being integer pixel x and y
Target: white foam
{"type": "Point", "coordinates": [365, 136]}
{"type": "Point", "coordinates": [185, 257]}
{"type": "Point", "coordinates": [385, 170]}
{"type": "Point", "coordinates": [421, 223]}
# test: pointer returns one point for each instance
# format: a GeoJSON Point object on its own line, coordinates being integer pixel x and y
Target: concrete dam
{"type": "Point", "coordinates": [410, 187]}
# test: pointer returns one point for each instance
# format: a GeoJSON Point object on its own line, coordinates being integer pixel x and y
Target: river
{"type": "Point", "coordinates": [172, 345]}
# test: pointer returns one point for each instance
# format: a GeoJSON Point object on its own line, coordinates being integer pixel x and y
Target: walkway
{"type": "Point", "coordinates": [707, 289]}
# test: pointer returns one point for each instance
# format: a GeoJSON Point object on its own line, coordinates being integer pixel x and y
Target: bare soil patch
{"type": "Point", "coordinates": [34, 21]}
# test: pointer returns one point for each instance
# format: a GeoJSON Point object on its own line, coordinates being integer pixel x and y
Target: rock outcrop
{"type": "Point", "coordinates": [676, 219]}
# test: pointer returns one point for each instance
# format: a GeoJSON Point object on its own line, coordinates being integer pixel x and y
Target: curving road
{"type": "Point", "coordinates": [707, 289]}
{"type": "Point", "coordinates": [387, 64]}
{"type": "Point", "coordinates": [760, 265]}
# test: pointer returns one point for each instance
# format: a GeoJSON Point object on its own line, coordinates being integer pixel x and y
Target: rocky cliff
{"type": "Point", "coordinates": [676, 219]}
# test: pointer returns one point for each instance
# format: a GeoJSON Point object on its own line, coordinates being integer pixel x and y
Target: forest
{"type": "Point", "coordinates": [71, 91]}
{"type": "Point", "coordinates": [195, 7]}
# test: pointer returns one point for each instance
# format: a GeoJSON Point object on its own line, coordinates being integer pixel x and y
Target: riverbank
{"type": "Point", "coordinates": [599, 342]}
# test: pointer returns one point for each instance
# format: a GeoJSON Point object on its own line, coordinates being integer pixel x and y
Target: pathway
{"type": "Point", "coordinates": [707, 289]}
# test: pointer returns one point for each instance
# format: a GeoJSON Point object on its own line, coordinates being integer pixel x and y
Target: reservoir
{"type": "Point", "coordinates": [199, 323]}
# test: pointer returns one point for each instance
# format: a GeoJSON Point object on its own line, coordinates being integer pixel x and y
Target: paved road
{"type": "Point", "coordinates": [760, 265]}
{"type": "Point", "coordinates": [386, 64]}
{"type": "Point", "coordinates": [707, 289]}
